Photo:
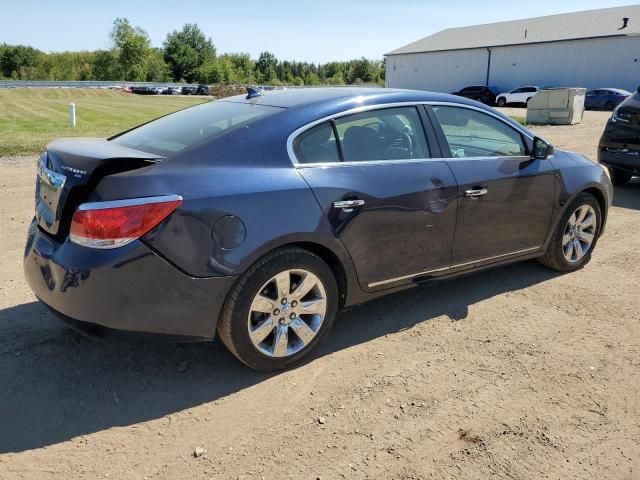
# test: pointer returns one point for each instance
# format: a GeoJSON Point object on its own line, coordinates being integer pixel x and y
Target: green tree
{"type": "Point", "coordinates": [186, 51]}
{"type": "Point", "coordinates": [17, 60]}
{"type": "Point", "coordinates": [133, 48]}
{"type": "Point", "coordinates": [106, 65]}
{"type": "Point", "coordinates": [266, 67]}
{"type": "Point", "coordinates": [157, 69]}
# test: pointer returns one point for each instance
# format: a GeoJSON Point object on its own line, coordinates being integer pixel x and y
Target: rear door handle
{"type": "Point", "coordinates": [476, 192]}
{"type": "Point", "coordinates": [348, 205]}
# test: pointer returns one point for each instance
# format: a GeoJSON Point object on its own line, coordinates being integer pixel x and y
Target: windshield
{"type": "Point", "coordinates": [175, 132]}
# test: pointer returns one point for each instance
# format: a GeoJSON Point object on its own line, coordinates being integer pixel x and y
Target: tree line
{"type": "Point", "coordinates": [187, 55]}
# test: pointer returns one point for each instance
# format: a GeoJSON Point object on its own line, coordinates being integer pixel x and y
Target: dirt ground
{"type": "Point", "coordinates": [517, 373]}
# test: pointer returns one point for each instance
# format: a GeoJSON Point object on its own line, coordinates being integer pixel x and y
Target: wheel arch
{"type": "Point", "coordinates": [602, 202]}
{"type": "Point", "coordinates": [592, 190]}
{"type": "Point", "coordinates": [333, 261]}
{"type": "Point", "coordinates": [336, 258]}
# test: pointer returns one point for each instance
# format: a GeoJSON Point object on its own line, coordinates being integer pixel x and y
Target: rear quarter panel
{"type": "Point", "coordinates": [274, 204]}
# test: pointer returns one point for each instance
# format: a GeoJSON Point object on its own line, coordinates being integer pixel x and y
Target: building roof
{"type": "Point", "coordinates": [603, 22]}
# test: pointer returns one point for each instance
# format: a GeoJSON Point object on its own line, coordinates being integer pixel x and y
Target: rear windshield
{"type": "Point", "coordinates": [173, 133]}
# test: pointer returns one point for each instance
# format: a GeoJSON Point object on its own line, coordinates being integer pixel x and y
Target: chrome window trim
{"type": "Point", "coordinates": [294, 135]}
{"type": "Point", "coordinates": [129, 202]}
{"type": "Point", "coordinates": [451, 267]}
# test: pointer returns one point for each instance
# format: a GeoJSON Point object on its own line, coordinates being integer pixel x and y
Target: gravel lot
{"type": "Point", "coordinates": [516, 373]}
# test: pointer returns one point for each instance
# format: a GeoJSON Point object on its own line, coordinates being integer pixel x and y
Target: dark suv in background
{"type": "Point", "coordinates": [195, 90]}
{"type": "Point", "coordinates": [481, 93]}
{"type": "Point", "coordinates": [619, 147]}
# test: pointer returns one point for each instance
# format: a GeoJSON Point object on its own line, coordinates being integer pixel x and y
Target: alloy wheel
{"type": "Point", "coordinates": [579, 233]}
{"type": "Point", "coordinates": [287, 313]}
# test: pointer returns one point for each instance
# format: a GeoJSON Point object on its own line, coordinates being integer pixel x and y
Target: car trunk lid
{"type": "Point", "coordinates": [70, 169]}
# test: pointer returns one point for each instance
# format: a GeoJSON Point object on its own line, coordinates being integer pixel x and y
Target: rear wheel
{"type": "Point", "coordinates": [575, 236]}
{"type": "Point", "coordinates": [619, 177]}
{"type": "Point", "coordinates": [609, 105]}
{"type": "Point", "coordinates": [502, 102]}
{"type": "Point", "coordinates": [279, 310]}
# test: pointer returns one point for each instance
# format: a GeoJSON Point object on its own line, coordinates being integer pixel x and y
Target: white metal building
{"type": "Point", "coordinates": [591, 49]}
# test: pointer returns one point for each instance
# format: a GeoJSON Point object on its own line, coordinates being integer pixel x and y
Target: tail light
{"type": "Point", "coordinates": [114, 224]}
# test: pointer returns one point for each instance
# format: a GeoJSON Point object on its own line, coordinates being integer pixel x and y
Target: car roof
{"type": "Point", "coordinates": [301, 97]}
{"type": "Point", "coordinates": [618, 90]}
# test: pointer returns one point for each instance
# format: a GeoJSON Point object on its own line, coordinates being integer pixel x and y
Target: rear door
{"type": "Point", "coordinates": [505, 199]}
{"type": "Point", "coordinates": [516, 96]}
{"type": "Point", "coordinates": [389, 200]}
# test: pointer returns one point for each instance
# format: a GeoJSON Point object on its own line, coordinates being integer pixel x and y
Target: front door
{"type": "Point", "coordinates": [505, 199]}
{"type": "Point", "coordinates": [393, 206]}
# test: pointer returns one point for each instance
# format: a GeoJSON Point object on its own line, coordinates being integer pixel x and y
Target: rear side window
{"type": "Point", "coordinates": [317, 145]}
{"type": "Point", "coordinates": [471, 133]}
{"type": "Point", "coordinates": [383, 134]}
{"type": "Point", "coordinates": [178, 131]}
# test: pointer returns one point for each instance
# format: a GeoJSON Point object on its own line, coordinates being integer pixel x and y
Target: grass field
{"type": "Point", "coordinates": [30, 118]}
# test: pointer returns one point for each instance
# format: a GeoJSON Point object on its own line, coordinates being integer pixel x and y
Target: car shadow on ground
{"type": "Point", "coordinates": [628, 196]}
{"type": "Point", "coordinates": [57, 385]}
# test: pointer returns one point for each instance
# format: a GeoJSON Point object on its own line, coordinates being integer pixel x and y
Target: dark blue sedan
{"type": "Point", "coordinates": [605, 98]}
{"type": "Point", "coordinates": [261, 217]}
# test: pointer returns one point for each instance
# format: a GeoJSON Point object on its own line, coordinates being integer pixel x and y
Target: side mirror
{"type": "Point", "coordinates": [541, 149]}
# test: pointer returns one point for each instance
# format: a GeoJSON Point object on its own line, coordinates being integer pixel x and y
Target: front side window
{"type": "Point", "coordinates": [517, 90]}
{"type": "Point", "coordinates": [471, 133]}
{"type": "Point", "coordinates": [384, 134]}
{"type": "Point", "coordinates": [173, 133]}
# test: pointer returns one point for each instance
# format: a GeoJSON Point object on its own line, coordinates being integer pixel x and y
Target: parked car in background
{"type": "Point", "coordinates": [144, 90]}
{"type": "Point", "coordinates": [481, 93]}
{"type": "Point", "coordinates": [517, 95]}
{"type": "Point", "coordinates": [172, 91]}
{"type": "Point", "coordinates": [619, 147]}
{"type": "Point", "coordinates": [261, 216]}
{"type": "Point", "coordinates": [195, 90]}
{"type": "Point", "coordinates": [605, 98]}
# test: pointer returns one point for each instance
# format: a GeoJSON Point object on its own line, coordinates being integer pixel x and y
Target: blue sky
{"type": "Point", "coordinates": [315, 31]}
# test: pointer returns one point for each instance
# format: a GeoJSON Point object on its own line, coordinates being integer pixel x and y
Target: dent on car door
{"type": "Point", "coordinates": [505, 198]}
{"type": "Point", "coordinates": [392, 206]}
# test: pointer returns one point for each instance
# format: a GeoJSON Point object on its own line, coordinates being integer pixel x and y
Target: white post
{"type": "Point", "coordinates": [72, 115]}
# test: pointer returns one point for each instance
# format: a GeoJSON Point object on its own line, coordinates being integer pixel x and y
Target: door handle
{"type": "Point", "coordinates": [348, 205]}
{"type": "Point", "coordinates": [476, 192]}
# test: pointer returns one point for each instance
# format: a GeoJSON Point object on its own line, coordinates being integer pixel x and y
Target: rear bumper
{"type": "Point", "coordinates": [625, 159]}
{"type": "Point", "coordinates": [129, 288]}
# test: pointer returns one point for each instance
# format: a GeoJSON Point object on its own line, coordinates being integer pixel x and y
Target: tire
{"type": "Point", "coordinates": [555, 256]}
{"type": "Point", "coordinates": [257, 286]}
{"type": "Point", "coordinates": [609, 105]}
{"type": "Point", "coordinates": [501, 102]}
{"type": "Point", "coordinates": [619, 177]}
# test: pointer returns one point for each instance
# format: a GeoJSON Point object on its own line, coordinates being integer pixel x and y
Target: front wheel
{"type": "Point", "coordinates": [279, 310]}
{"type": "Point", "coordinates": [502, 102]}
{"type": "Point", "coordinates": [575, 235]}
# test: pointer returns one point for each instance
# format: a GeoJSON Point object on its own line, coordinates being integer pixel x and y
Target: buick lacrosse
{"type": "Point", "coordinates": [259, 217]}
